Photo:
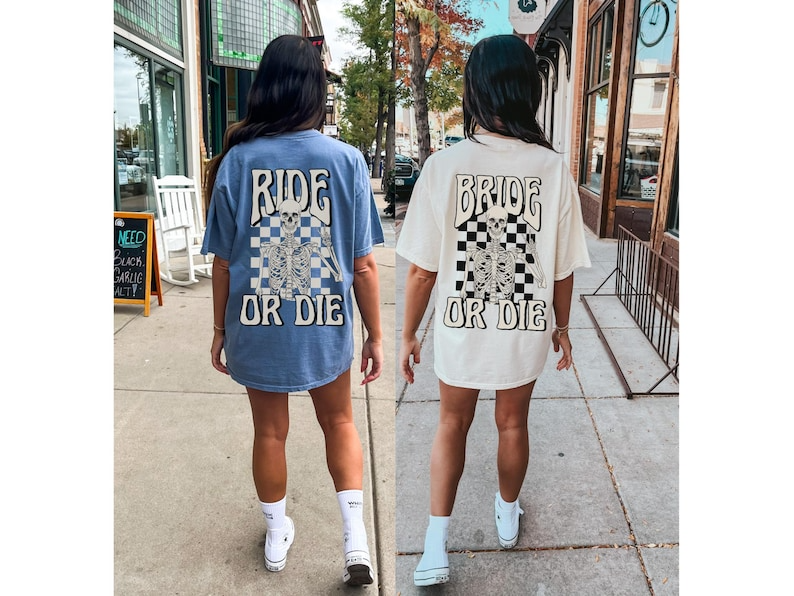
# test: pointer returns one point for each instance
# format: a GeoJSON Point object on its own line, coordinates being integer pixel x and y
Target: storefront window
{"type": "Point", "coordinates": [168, 102]}
{"type": "Point", "coordinates": [148, 129]}
{"type": "Point", "coordinates": [597, 101]}
{"type": "Point", "coordinates": [648, 99]}
{"type": "Point", "coordinates": [593, 165]}
{"type": "Point", "coordinates": [132, 130]}
{"type": "Point", "coordinates": [655, 34]}
{"type": "Point", "coordinates": [644, 139]}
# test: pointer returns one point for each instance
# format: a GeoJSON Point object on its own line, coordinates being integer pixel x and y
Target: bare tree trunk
{"type": "Point", "coordinates": [378, 134]}
{"type": "Point", "coordinates": [418, 88]}
{"type": "Point", "coordinates": [419, 65]}
{"type": "Point", "coordinates": [391, 107]}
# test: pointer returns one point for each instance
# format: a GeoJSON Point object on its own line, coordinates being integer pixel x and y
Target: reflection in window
{"type": "Point", "coordinates": [655, 36]}
{"type": "Point", "coordinates": [597, 101]}
{"type": "Point", "coordinates": [644, 139]}
{"type": "Point", "coordinates": [642, 142]}
{"type": "Point", "coordinates": [148, 127]}
{"type": "Point", "coordinates": [168, 105]}
{"type": "Point", "coordinates": [133, 130]}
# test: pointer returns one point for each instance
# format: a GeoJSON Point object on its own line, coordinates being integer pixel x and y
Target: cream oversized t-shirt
{"type": "Point", "coordinates": [499, 221]}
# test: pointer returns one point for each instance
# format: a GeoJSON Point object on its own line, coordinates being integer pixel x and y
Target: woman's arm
{"type": "Point", "coordinates": [220, 296]}
{"type": "Point", "coordinates": [366, 286]}
{"type": "Point", "coordinates": [563, 290]}
{"type": "Point", "coordinates": [418, 286]}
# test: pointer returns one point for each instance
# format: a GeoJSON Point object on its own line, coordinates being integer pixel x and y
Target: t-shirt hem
{"type": "Point", "coordinates": [484, 386]}
{"type": "Point", "coordinates": [290, 388]}
{"type": "Point", "coordinates": [226, 256]}
{"type": "Point", "coordinates": [362, 253]}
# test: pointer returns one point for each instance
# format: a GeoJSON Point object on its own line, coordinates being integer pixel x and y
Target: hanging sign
{"type": "Point", "coordinates": [526, 16]}
{"type": "Point", "coordinates": [318, 42]}
{"type": "Point", "coordinates": [136, 270]}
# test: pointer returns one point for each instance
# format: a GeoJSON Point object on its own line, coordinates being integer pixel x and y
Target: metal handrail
{"type": "Point", "coordinates": [646, 283]}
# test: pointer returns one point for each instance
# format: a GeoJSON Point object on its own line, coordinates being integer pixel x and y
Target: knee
{"type": "Point", "coordinates": [271, 434]}
{"type": "Point", "coordinates": [332, 423]}
{"type": "Point", "coordinates": [457, 424]}
{"type": "Point", "coordinates": [510, 423]}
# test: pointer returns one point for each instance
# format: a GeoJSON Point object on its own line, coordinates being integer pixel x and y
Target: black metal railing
{"type": "Point", "coordinates": [646, 283]}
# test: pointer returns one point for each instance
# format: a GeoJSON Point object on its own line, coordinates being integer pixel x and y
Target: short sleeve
{"type": "Point", "coordinates": [571, 241]}
{"type": "Point", "coordinates": [221, 225]}
{"type": "Point", "coordinates": [420, 235]}
{"type": "Point", "coordinates": [369, 230]}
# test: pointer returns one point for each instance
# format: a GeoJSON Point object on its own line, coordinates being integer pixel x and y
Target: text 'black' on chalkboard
{"type": "Point", "coordinates": [135, 275]}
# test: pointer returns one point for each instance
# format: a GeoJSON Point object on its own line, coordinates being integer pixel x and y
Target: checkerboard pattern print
{"type": "Point", "coordinates": [474, 233]}
{"type": "Point", "coordinates": [308, 231]}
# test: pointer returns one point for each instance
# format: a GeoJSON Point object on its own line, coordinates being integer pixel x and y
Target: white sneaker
{"type": "Point", "coordinates": [277, 544]}
{"type": "Point", "coordinates": [507, 523]}
{"type": "Point", "coordinates": [432, 569]}
{"type": "Point", "coordinates": [358, 570]}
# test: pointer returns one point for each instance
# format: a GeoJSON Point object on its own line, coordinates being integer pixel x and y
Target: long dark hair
{"type": "Point", "coordinates": [501, 90]}
{"type": "Point", "coordinates": [288, 93]}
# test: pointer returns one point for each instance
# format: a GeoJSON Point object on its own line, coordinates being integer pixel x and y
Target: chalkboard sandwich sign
{"type": "Point", "coordinates": [136, 270]}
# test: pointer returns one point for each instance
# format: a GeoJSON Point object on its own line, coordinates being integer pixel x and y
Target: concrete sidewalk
{"type": "Point", "coordinates": [601, 492]}
{"type": "Point", "coordinates": [187, 519]}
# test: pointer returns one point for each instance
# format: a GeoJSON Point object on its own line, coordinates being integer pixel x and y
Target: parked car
{"type": "Point", "coordinates": [406, 173]}
{"type": "Point", "coordinates": [132, 178]}
{"type": "Point", "coordinates": [145, 159]}
{"type": "Point", "coordinates": [399, 183]}
{"type": "Point", "coordinates": [451, 140]}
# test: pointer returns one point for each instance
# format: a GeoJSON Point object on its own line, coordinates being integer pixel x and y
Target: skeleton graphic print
{"type": "Point", "coordinates": [492, 270]}
{"type": "Point", "coordinates": [301, 259]}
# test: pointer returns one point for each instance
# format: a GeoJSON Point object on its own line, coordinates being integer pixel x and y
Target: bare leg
{"type": "Point", "coordinates": [334, 410]}
{"type": "Point", "coordinates": [269, 461]}
{"type": "Point", "coordinates": [512, 410]}
{"type": "Point", "coordinates": [333, 407]}
{"type": "Point", "coordinates": [448, 454]}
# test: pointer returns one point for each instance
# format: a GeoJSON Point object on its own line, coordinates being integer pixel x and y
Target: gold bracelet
{"type": "Point", "coordinates": [218, 328]}
{"type": "Point", "coordinates": [562, 330]}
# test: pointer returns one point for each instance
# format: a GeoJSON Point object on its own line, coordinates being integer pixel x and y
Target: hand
{"type": "Point", "coordinates": [215, 351]}
{"type": "Point", "coordinates": [563, 341]}
{"type": "Point", "coordinates": [408, 348]}
{"type": "Point", "coordinates": [371, 350]}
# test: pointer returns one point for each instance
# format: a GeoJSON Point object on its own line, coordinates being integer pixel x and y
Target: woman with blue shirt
{"type": "Point", "coordinates": [292, 222]}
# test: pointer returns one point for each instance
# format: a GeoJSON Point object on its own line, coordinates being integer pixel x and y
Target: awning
{"type": "Point", "coordinates": [556, 33]}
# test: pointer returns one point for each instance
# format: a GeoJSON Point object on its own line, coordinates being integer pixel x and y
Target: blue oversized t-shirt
{"type": "Point", "coordinates": [290, 213]}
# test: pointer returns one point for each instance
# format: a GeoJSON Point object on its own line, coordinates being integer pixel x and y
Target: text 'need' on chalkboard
{"type": "Point", "coordinates": [136, 275]}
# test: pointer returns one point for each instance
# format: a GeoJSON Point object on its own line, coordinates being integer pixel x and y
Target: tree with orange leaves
{"type": "Point", "coordinates": [432, 51]}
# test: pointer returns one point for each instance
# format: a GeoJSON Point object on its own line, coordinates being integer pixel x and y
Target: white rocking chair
{"type": "Point", "coordinates": [180, 219]}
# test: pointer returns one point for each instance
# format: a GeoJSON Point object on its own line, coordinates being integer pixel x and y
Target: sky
{"type": "Point", "coordinates": [494, 13]}
{"type": "Point", "coordinates": [331, 17]}
{"type": "Point", "coordinates": [495, 17]}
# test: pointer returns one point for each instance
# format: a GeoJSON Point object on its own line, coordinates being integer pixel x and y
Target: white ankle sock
{"type": "Point", "coordinates": [274, 513]}
{"type": "Point", "coordinates": [351, 505]}
{"type": "Point", "coordinates": [504, 505]}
